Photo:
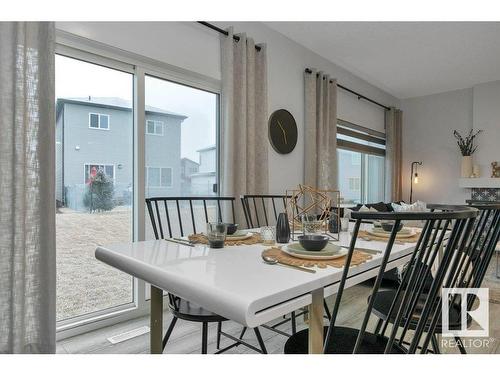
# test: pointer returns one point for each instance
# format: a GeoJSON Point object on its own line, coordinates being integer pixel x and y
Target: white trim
{"type": "Point", "coordinates": [99, 121]}
{"type": "Point", "coordinates": [99, 164]}
{"type": "Point", "coordinates": [67, 43]}
{"type": "Point", "coordinates": [161, 175]}
{"type": "Point", "coordinates": [156, 122]}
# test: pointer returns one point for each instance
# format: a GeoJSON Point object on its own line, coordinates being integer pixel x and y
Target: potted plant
{"type": "Point", "coordinates": [467, 148]}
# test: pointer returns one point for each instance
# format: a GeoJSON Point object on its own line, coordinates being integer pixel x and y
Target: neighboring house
{"type": "Point", "coordinates": [202, 183]}
{"type": "Point", "coordinates": [97, 133]}
{"type": "Point", "coordinates": [188, 168]}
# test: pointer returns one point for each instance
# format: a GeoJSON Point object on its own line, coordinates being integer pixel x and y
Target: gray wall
{"type": "Point", "coordinates": [428, 125]}
{"type": "Point", "coordinates": [428, 137]}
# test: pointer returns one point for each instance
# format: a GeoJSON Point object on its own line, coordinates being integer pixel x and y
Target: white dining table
{"type": "Point", "coordinates": [235, 283]}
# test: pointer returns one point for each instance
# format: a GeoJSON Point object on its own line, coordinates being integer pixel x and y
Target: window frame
{"type": "Point", "coordinates": [156, 122]}
{"type": "Point", "coordinates": [161, 175]}
{"type": "Point", "coordinates": [99, 164]}
{"type": "Point", "coordinates": [99, 120]}
{"type": "Point", "coordinates": [87, 50]}
{"type": "Point", "coordinates": [364, 134]}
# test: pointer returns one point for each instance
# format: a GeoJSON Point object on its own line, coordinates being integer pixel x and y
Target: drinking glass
{"type": "Point", "coordinates": [216, 234]}
{"type": "Point", "coordinates": [311, 224]}
{"type": "Point", "coordinates": [344, 224]}
{"type": "Point", "coordinates": [268, 235]}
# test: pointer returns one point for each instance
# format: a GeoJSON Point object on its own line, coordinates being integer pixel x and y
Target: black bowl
{"type": "Point", "coordinates": [388, 226]}
{"type": "Point", "coordinates": [231, 228]}
{"type": "Point", "coordinates": [313, 242]}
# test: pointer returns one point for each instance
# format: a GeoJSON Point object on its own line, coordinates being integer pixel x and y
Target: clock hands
{"type": "Point", "coordinates": [283, 130]}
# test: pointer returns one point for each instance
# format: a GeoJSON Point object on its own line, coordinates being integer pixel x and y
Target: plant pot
{"type": "Point", "coordinates": [466, 169]}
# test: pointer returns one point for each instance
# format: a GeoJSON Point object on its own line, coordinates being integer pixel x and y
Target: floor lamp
{"type": "Point", "coordinates": [413, 177]}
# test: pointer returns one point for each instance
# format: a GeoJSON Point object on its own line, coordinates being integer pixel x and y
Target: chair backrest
{"type": "Point", "coordinates": [187, 215]}
{"type": "Point", "coordinates": [482, 245]}
{"type": "Point", "coordinates": [446, 229]}
{"type": "Point", "coordinates": [262, 210]}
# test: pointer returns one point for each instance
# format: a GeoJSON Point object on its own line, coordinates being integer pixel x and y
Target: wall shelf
{"type": "Point", "coordinates": [480, 182]}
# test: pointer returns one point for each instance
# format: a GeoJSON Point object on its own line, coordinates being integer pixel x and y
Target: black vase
{"type": "Point", "coordinates": [282, 228]}
{"type": "Point", "coordinates": [333, 224]}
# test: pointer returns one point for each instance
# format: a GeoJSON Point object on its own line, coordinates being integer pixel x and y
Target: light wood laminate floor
{"type": "Point", "coordinates": [186, 337]}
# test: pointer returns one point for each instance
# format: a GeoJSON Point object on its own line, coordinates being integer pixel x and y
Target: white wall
{"type": "Point", "coordinates": [196, 48]}
{"type": "Point", "coordinates": [428, 137]}
{"type": "Point", "coordinates": [428, 125]}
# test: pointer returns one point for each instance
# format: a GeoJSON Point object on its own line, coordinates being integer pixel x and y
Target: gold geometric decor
{"type": "Point", "coordinates": [309, 201]}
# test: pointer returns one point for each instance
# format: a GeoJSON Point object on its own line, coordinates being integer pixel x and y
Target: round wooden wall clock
{"type": "Point", "coordinates": [282, 131]}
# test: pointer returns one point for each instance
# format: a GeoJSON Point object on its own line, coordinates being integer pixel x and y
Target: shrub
{"type": "Point", "coordinates": [99, 194]}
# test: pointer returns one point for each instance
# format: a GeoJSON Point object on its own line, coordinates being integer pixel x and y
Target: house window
{"type": "Point", "coordinates": [159, 177]}
{"type": "Point", "coordinates": [361, 163]}
{"type": "Point", "coordinates": [154, 127]}
{"type": "Point", "coordinates": [98, 121]}
{"type": "Point", "coordinates": [91, 169]}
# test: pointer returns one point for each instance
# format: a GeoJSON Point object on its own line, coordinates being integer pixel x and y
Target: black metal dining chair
{"type": "Point", "coordinates": [346, 340]}
{"type": "Point", "coordinates": [480, 249]}
{"type": "Point", "coordinates": [182, 216]}
{"type": "Point", "coordinates": [263, 209]}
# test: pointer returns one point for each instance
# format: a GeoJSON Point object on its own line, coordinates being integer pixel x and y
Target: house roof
{"type": "Point", "coordinates": [115, 103]}
{"type": "Point", "coordinates": [189, 160]}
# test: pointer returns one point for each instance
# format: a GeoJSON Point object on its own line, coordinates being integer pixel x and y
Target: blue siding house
{"type": "Point", "coordinates": [97, 133]}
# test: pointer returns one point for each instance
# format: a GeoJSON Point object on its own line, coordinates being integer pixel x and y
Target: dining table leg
{"type": "Point", "coordinates": [316, 322]}
{"type": "Point", "coordinates": [156, 322]}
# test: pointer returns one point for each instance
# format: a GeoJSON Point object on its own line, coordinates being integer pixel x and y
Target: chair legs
{"type": "Point", "coordinates": [294, 323]}
{"type": "Point", "coordinates": [460, 345]}
{"type": "Point", "coordinates": [379, 326]}
{"type": "Point", "coordinates": [219, 329]}
{"type": "Point", "coordinates": [261, 342]}
{"type": "Point", "coordinates": [204, 338]}
{"type": "Point", "coordinates": [169, 331]}
{"type": "Point", "coordinates": [435, 345]}
{"type": "Point", "coordinates": [327, 310]}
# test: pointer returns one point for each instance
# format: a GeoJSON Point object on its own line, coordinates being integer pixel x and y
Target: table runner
{"type": "Point", "coordinates": [357, 258]}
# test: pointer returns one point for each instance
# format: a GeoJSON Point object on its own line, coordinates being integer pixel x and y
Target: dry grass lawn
{"type": "Point", "coordinates": [85, 284]}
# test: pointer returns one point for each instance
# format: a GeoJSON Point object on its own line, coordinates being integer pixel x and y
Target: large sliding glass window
{"type": "Point", "coordinates": [361, 164]}
{"type": "Point", "coordinates": [100, 141]}
{"type": "Point", "coordinates": [94, 184]}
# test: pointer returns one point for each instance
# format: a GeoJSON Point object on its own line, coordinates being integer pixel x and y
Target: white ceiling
{"type": "Point", "coordinates": [406, 59]}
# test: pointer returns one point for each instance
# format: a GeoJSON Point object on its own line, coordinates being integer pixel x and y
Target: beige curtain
{"type": "Point", "coordinates": [393, 155]}
{"type": "Point", "coordinates": [27, 199]}
{"type": "Point", "coordinates": [244, 140]}
{"type": "Point", "coordinates": [320, 136]}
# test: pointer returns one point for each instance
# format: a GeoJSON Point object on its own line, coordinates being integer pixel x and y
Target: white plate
{"type": "Point", "coordinates": [339, 254]}
{"type": "Point", "coordinates": [238, 237]}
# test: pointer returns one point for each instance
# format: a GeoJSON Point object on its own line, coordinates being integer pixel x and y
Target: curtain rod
{"type": "Point", "coordinates": [360, 96]}
{"type": "Point", "coordinates": [237, 38]}
{"type": "Point", "coordinates": [219, 30]}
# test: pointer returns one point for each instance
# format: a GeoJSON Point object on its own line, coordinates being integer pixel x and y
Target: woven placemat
{"type": "Point", "coordinates": [357, 258]}
{"type": "Point", "coordinates": [364, 234]}
{"type": "Point", "coordinates": [201, 238]}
